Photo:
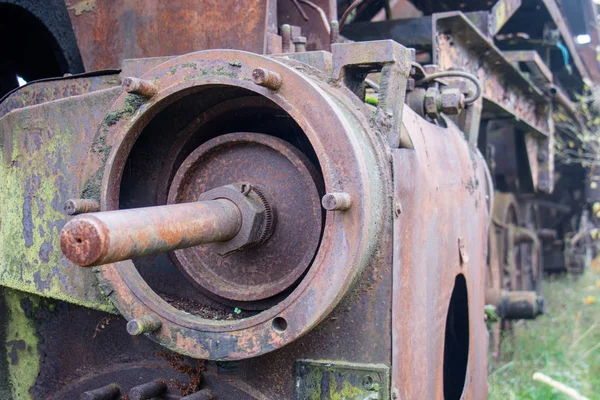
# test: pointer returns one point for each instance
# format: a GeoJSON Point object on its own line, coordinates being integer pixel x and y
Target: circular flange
{"type": "Point", "coordinates": [287, 179]}
{"type": "Point", "coordinates": [353, 160]}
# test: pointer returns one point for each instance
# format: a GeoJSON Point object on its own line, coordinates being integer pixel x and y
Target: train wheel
{"type": "Point", "coordinates": [505, 258]}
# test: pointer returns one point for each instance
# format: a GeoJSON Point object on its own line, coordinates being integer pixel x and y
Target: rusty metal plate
{"type": "Point", "coordinates": [287, 180]}
{"type": "Point", "coordinates": [45, 90]}
{"type": "Point", "coordinates": [110, 31]}
{"type": "Point", "coordinates": [44, 148]}
{"type": "Point", "coordinates": [440, 232]}
{"type": "Point", "coordinates": [319, 379]}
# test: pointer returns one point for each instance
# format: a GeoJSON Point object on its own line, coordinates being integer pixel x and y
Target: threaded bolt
{"type": "Point", "coordinates": [337, 201]}
{"type": "Point", "coordinates": [299, 44]}
{"type": "Point", "coordinates": [81, 206]}
{"type": "Point", "coordinates": [286, 38]}
{"type": "Point", "coordinates": [139, 86]}
{"type": "Point", "coordinates": [266, 78]}
{"type": "Point", "coordinates": [146, 324]}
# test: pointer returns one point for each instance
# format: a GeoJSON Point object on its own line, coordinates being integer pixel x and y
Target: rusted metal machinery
{"type": "Point", "coordinates": [266, 210]}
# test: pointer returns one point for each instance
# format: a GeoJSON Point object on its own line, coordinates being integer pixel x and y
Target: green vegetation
{"type": "Point", "coordinates": [563, 344]}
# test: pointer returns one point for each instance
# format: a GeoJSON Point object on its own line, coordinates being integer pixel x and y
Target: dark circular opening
{"type": "Point", "coordinates": [279, 324]}
{"type": "Point", "coordinates": [201, 114]}
{"type": "Point", "coordinates": [456, 342]}
{"type": "Point", "coordinates": [35, 47]}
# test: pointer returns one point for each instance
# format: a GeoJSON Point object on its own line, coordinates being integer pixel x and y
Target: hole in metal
{"type": "Point", "coordinates": [280, 324]}
{"type": "Point", "coordinates": [456, 343]}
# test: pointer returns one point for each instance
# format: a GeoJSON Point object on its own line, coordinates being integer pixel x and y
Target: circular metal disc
{"type": "Point", "coordinates": [288, 181]}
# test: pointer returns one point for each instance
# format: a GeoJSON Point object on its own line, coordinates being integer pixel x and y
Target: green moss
{"type": "Point", "coordinates": [31, 213]}
{"type": "Point", "coordinates": [189, 65]}
{"type": "Point", "coordinates": [132, 103]}
{"type": "Point", "coordinates": [21, 343]}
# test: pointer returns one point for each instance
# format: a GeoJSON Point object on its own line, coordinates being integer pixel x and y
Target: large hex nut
{"type": "Point", "coordinates": [253, 216]}
{"type": "Point", "coordinates": [432, 102]}
{"type": "Point", "coordinates": [452, 101]}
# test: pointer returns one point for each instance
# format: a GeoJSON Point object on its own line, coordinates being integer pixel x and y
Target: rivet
{"type": "Point", "coordinates": [139, 86]}
{"type": "Point", "coordinates": [337, 201]}
{"type": "Point", "coordinates": [80, 206]}
{"type": "Point", "coordinates": [266, 78]}
{"type": "Point", "coordinates": [397, 209]}
{"type": "Point", "coordinates": [146, 324]}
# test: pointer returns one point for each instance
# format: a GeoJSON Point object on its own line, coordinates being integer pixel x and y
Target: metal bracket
{"type": "Point", "coordinates": [351, 64]}
{"type": "Point", "coordinates": [316, 379]}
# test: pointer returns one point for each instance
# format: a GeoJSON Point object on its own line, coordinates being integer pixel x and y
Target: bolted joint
{"type": "Point", "coordinates": [299, 44]}
{"type": "Point", "coordinates": [269, 79]}
{"type": "Point", "coordinates": [146, 324]}
{"type": "Point", "coordinates": [81, 206]}
{"type": "Point", "coordinates": [452, 101]}
{"type": "Point", "coordinates": [432, 103]}
{"type": "Point", "coordinates": [256, 212]}
{"type": "Point", "coordinates": [139, 86]}
{"type": "Point", "coordinates": [337, 201]}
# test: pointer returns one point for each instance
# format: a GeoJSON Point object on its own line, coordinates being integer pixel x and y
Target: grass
{"type": "Point", "coordinates": [563, 344]}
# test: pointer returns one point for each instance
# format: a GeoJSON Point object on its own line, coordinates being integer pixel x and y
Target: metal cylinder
{"type": "Point", "coordinates": [81, 206]}
{"type": "Point", "coordinates": [109, 392]}
{"type": "Point", "coordinates": [204, 394]}
{"type": "Point", "coordinates": [111, 236]}
{"type": "Point", "coordinates": [516, 304]}
{"type": "Point", "coordinates": [148, 390]}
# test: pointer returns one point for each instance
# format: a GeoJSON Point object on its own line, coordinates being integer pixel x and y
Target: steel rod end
{"type": "Point", "coordinates": [84, 240]}
{"type": "Point", "coordinates": [339, 201]}
{"type": "Point", "coordinates": [266, 78]}
{"type": "Point", "coordinates": [139, 86]}
{"type": "Point", "coordinates": [145, 324]}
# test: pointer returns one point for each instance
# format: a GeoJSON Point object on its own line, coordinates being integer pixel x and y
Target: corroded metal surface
{"type": "Point", "coordinates": [46, 90]}
{"type": "Point", "coordinates": [344, 151]}
{"type": "Point", "coordinates": [286, 179]}
{"type": "Point", "coordinates": [460, 45]}
{"type": "Point", "coordinates": [440, 233]}
{"type": "Point", "coordinates": [165, 28]}
{"type": "Point", "coordinates": [42, 162]}
{"type": "Point", "coordinates": [111, 236]}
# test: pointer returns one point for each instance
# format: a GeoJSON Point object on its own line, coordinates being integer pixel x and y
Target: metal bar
{"type": "Point", "coordinates": [111, 236]}
{"type": "Point", "coordinates": [534, 62]}
{"type": "Point", "coordinates": [412, 32]}
{"type": "Point", "coordinates": [501, 13]}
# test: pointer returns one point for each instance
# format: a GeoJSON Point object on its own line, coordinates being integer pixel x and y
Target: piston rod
{"type": "Point", "coordinates": [110, 236]}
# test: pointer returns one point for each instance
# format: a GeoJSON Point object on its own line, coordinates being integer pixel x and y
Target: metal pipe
{"type": "Point", "coordinates": [110, 236]}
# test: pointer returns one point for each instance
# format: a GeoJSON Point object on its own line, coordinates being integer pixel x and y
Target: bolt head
{"type": "Point", "coordinates": [253, 216]}
{"type": "Point", "coordinates": [452, 101]}
{"type": "Point", "coordinates": [431, 102]}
